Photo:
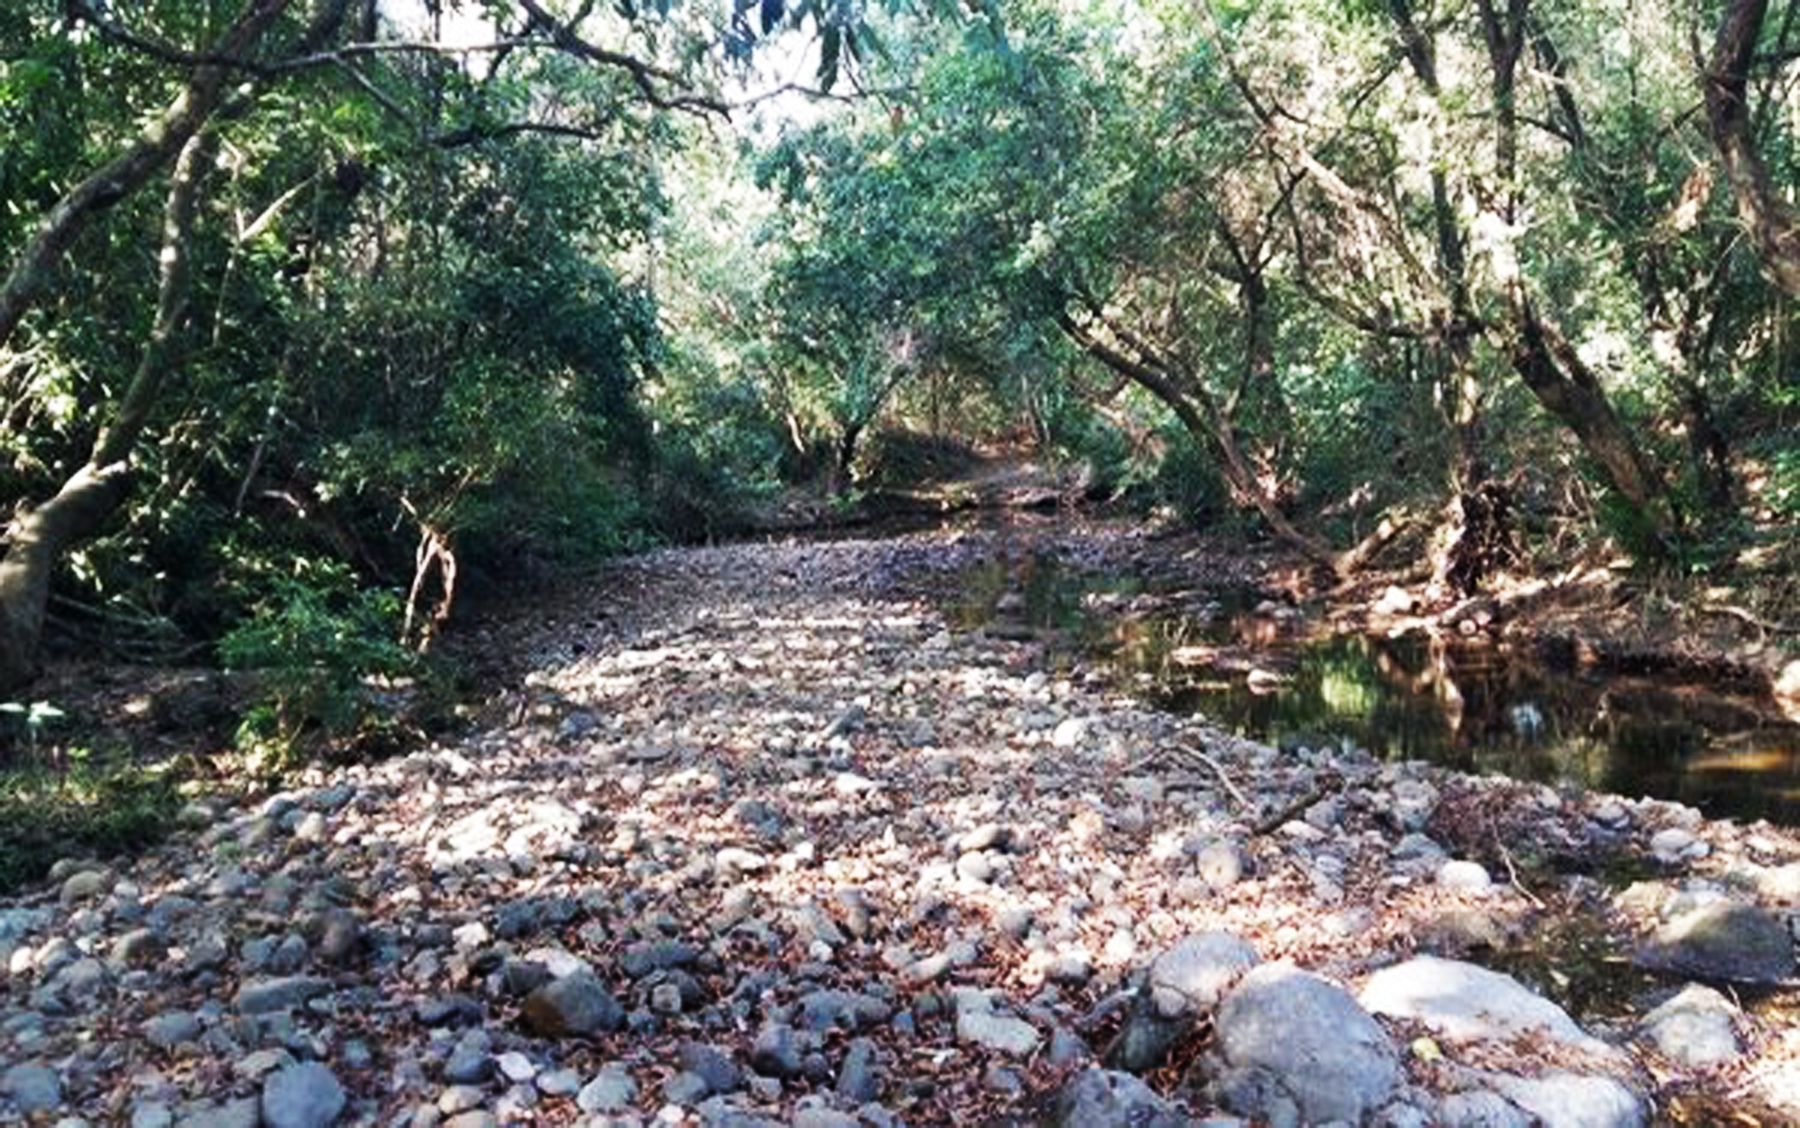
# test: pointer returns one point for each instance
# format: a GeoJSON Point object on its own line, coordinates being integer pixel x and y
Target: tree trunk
{"type": "Point", "coordinates": [1568, 390]}
{"type": "Point", "coordinates": [843, 464]}
{"type": "Point", "coordinates": [1476, 534]}
{"type": "Point", "coordinates": [1707, 447]}
{"type": "Point", "coordinates": [40, 537]}
{"type": "Point", "coordinates": [1772, 225]}
{"type": "Point", "coordinates": [1200, 417]}
{"type": "Point", "coordinates": [1540, 354]}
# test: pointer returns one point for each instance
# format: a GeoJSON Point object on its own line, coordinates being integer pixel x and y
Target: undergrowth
{"type": "Point", "coordinates": [91, 804]}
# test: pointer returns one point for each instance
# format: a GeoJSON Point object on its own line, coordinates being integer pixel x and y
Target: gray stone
{"type": "Point", "coordinates": [987, 836]}
{"type": "Point", "coordinates": [575, 1004]}
{"type": "Point", "coordinates": [515, 1066]}
{"type": "Point", "coordinates": [16, 923]}
{"type": "Point", "coordinates": [976, 866]}
{"type": "Point", "coordinates": [665, 998]}
{"type": "Point", "coordinates": [776, 1051]}
{"type": "Point", "coordinates": [460, 1098]}
{"type": "Point", "coordinates": [167, 1031]}
{"type": "Point", "coordinates": [1481, 1108]}
{"type": "Point", "coordinates": [1222, 864]}
{"type": "Point", "coordinates": [152, 1114]}
{"type": "Point", "coordinates": [261, 996]}
{"type": "Point", "coordinates": [1317, 1049]}
{"type": "Point", "coordinates": [712, 1066]}
{"type": "Point", "coordinates": [448, 1010]}
{"type": "Point", "coordinates": [306, 1095]}
{"type": "Point", "coordinates": [1464, 877]}
{"type": "Point", "coordinates": [1463, 1002]}
{"type": "Point", "coordinates": [559, 1082]}
{"type": "Point", "coordinates": [999, 1032]}
{"type": "Point", "coordinates": [1066, 1047]}
{"type": "Point", "coordinates": [806, 1116]}
{"type": "Point", "coordinates": [33, 1087]}
{"type": "Point", "coordinates": [1696, 1028]}
{"type": "Point", "coordinates": [643, 958]}
{"type": "Point", "coordinates": [1195, 973]}
{"type": "Point", "coordinates": [1569, 1100]}
{"type": "Point", "coordinates": [138, 948]}
{"type": "Point", "coordinates": [1185, 982]}
{"type": "Point", "coordinates": [1413, 803]}
{"type": "Point", "coordinates": [471, 1061]}
{"type": "Point", "coordinates": [844, 1010]}
{"type": "Point", "coordinates": [1780, 884]}
{"type": "Point", "coordinates": [858, 1077]}
{"type": "Point", "coordinates": [1724, 940]}
{"type": "Point", "coordinates": [611, 1090]}
{"type": "Point", "coordinates": [685, 1088]}
{"type": "Point", "coordinates": [245, 1112]}
{"type": "Point", "coordinates": [84, 886]}
{"type": "Point", "coordinates": [1100, 1098]}
{"type": "Point", "coordinates": [1674, 844]}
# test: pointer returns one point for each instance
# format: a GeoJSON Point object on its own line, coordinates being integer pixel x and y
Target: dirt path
{"type": "Point", "coordinates": [760, 839]}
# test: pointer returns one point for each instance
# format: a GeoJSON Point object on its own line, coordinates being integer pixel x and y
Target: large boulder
{"type": "Point", "coordinates": [1468, 1003]}
{"type": "Point", "coordinates": [1728, 941]}
{"type": "Point", "coordinates": [1185, 983]}
{"type": "Point", "coordinates": [1293, 1044]}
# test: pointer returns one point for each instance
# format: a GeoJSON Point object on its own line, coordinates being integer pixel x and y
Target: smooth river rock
{"type": "Point", "coordinates": [1289, 1038]}
{"type": "Point", "coordinates": [1725, 940]}
{"type": "Point", "coordinates": [1468, 1003]}
{"type": "Point", "coordinates": [1697, 1028]}
{"type": "Point", "coordinates": [1102, 1098]}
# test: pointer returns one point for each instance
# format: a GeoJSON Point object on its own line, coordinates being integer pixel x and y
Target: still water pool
{"type": "Point", "coordinates": [1524, 712]}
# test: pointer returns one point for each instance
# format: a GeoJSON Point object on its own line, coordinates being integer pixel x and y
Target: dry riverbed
{"type": "Point", "coordinates": [759, 835]}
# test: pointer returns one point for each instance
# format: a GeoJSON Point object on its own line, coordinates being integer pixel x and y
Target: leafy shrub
{"type": "Point", "coordinates": [1188, 481]}
{"type": "Point", "coordinates": [320, 646]}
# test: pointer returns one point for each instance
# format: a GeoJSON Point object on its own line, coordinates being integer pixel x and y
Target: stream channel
{"type": "Point", "coordinates": [1263, 670]}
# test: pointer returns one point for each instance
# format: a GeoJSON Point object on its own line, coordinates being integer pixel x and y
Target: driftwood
{"type": "Point", "coordinates": [1328, 787]}
{"type": "Point", "coordinates": [1741, 615]}
{"type": "Point", "coordinates": [1390, 528]}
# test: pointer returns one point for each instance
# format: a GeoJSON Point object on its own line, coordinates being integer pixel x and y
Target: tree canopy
{"type": "Point", "coordinates": [442, 294]}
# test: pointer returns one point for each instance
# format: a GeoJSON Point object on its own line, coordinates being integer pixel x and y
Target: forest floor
{"type": "Point", "coordinates": [771, 834]}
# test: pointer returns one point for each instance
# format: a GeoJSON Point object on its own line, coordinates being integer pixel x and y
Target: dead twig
{"type": "Point", "coordinates": [1512, 872]}
{"type": "Point", "coordinates": [1218, 769]}
{"type": "Point", "coordinates": [1281, 817]}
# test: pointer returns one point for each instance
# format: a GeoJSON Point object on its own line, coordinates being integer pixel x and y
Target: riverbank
{"type": "Point", "coordinates": [762, 833]}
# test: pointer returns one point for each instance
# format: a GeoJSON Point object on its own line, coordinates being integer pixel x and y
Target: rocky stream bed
{"type": "Point", "coordinates": [760, 836]}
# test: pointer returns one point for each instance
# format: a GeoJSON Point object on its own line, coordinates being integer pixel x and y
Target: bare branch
{"type": "Point", "coordinates": [645, 75]}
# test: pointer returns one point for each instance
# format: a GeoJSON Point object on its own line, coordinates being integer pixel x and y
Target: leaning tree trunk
{"type": "Point", "coordinates": [1773, 225]}
{"type": "Point", "coordinates": [1569, 391]}
{"type": "Point", "coordinates": [1201, 418]}
{"type": "Point", "coordinates": [1540, 353]}
{"type": "Point", "coordinates": [39, 537]}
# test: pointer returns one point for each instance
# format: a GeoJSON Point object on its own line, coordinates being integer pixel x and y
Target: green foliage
{"type": "Point", "coordinates": [93, 805]}
{"type": "Point", "coordinates": [322, 649]}
{"type": "Point", "coordinates": [1188, 482]}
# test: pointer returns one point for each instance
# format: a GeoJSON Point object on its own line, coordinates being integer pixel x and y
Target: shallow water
{"type": "Point", "coordinates": [1483, 708]}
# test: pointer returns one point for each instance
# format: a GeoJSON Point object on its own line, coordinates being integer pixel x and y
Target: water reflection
{"type": "Point", "coordinates": [1249, 665]}
{"type": "Point", "coordinates": [1485, 709]}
